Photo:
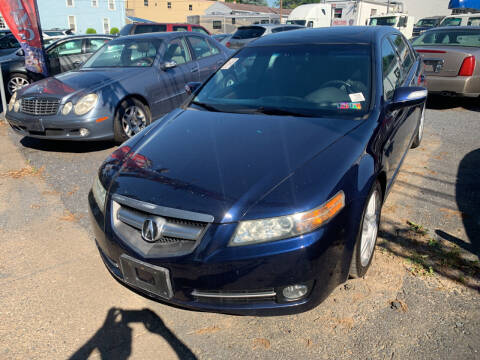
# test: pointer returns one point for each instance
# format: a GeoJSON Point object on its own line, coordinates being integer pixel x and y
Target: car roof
{"type": "Point", "coordinates": [267, 26]}
{"type": "Point", "coordinates": [463, 15]}
{"type": "Point", "coordinates": [160, 35]}
{"type": "Point", "coordinates": [340, 34]}
{"type": "Point", "coordinates": [166, 23]}
{"type": "Point", "coordinates": [86, 36]}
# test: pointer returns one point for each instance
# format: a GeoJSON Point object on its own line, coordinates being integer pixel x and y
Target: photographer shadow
{"type": "Point", "coordinates": [114, 339]}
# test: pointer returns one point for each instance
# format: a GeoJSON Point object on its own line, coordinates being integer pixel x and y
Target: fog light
{"type": "Point", "coordinates": [295, 292]}
{"type": "Point", "coordinates": [84, 132]}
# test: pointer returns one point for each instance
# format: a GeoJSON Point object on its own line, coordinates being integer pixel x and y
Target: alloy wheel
{"type": "Point", "coordinates": [370, 229]}
{"type": "Point", "coordinates": [133, 120]}
{"type": "Point", "coordinates": [16, 83]}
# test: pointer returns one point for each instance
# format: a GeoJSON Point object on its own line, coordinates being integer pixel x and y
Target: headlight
{"type": "Point", "coordinates": [85, 104]}
{"type": "Point", "coordinates": [283, 227]}
{"type": "Point", "coordinates": [12, 101]}
{"type": "Point", "coordinates": [99, 193]}
{"type": "Point", "coordinates": [67, 108]}
{"type": "Point", "coordinates": [16, 107]}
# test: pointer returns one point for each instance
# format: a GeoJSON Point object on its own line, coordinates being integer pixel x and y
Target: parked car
{"type": "Point", "coordinates": [262, 194]}
{"type": "Point", "coordinates": [452, 60]}
{"type": "Point", "coordinates": [461, 20]}
{"type": "Point", "coordinates": [8, 45]}
{"type": "Point", "coordinates": [142, 28]}
{"type": "Point", "coordinates": [121, 89]}
{"type": "Point", "coordinates": [63, 55]}
{"type": "Point", "coordinates": [246, 34]}
{"type": "Point", "coordinates": [426, 24]}
{"type": "Point", "coordinates": [50, 36]}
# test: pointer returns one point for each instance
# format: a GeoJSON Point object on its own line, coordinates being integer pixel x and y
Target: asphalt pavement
{"type": "Point", "coordinates": [419, 299]}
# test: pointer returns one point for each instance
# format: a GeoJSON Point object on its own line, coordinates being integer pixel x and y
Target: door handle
{"type": "Point", "coordinates": [194, 70]}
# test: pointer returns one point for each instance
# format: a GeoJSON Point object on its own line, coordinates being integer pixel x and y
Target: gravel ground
{"type": "Point", "coordinates": [419, 299]}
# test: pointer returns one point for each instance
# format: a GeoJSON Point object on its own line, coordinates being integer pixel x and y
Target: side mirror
{"type": "Point", "coordinates": [168, 65]}
{"type": "Point", "coordinates": [191, 87]}
{"type": "Point", "coordinates": [20, 52]}
{"type": "Point", "coordinates": [408, 96]}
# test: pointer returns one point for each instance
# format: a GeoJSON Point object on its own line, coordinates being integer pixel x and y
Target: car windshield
{"type": "Point", "coordinates": [125, 53]}
{"type": "Point", "coordinates": [54, 33]}
{"type": "Point", "coordinates": [449, 38]}
{"type": "Point", "coordinates": [451, 22]}
{"type": "Point", "coordinates": [427, 22]}
{"type": "Point", "coordinates": [296, 22]}
{"type": "Point", "coordinates": [297, 80]}
{"type": "Point", "coordinates": [385, 21]}
{"type": "Point", "coordinates": [248, 32]}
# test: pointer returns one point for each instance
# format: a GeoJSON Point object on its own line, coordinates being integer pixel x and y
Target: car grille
{"type": "Point", "coordinates": [39, 106]}
{"type": "Point", "coordinates": [180, 232]}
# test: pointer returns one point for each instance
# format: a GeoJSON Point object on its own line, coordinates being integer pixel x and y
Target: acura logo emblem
{"type": "Point", "coordinates": [152, 229]}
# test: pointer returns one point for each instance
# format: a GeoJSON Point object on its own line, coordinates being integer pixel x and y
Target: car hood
{"type": "Point", "coordinates": [219, 163]}
{"type": "Point", "coordinates": [79, 82]}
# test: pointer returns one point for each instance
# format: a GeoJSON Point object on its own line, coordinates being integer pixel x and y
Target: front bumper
{"type": "Point", "coordinates": [468, 86]}
{"type": "Point", "coordinates": [320, 260]}
{"type": "Point", "coordinates": [58, 127]}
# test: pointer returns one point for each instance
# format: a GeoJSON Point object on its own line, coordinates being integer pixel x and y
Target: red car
{"type": "Point", "coordinates": [142, 28]}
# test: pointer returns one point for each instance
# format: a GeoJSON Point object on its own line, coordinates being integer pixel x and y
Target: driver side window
{"type": "Point", "coordinates": [391, 69]}
{"type": "Point", "coordinates": [177, 51]}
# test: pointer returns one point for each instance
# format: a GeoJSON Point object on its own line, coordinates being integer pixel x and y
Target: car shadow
{"type": "Point", "coordinates": [114, 339]}
{"type": "Point", "coordinates": [467, 195]}
{"type": "Point", "coordinates": [66, 146]}
{"type": "Point", "coordinates": [437, 102]}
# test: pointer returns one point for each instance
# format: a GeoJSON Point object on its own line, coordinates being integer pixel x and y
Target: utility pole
{"type": "Point", "coordinates": [388, 6]}
{"type": "Point", "coordinates": [281, 7]}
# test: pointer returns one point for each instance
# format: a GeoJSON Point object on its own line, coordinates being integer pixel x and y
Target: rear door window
{"type": "Point", "coordinates": [201, 48]}
{"type": "Point", "coordinates": [95, 44]}
{"type": "Point", "coordinates": [71, 47]}
{"type": "Point", "coordinates": [142, 29]}
{"type": "Point", "coordinates": [177, 51]}
{"type": "Point", "coordinates": [392, 73]}
{"type": "Point", "coordinates": [249, 32]}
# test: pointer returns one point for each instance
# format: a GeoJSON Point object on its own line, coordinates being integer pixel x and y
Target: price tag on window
{"type": "Point", "coordinates": [357, 97]}
{"type": "Point", "coordinates": [229, 63]}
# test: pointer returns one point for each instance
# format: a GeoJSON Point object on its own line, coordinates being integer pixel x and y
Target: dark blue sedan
{"type": "Point", "coordinates": [264, 191]}
{"type": "Point", "coordinates": [119, 90]}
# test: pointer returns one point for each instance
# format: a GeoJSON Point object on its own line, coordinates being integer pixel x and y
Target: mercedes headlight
{"type": "Point", "coordinates": [16, 106]}
{"type": "Point", "coordinates": [67, 108]}
{"type": "Point", "coordinates": [99, 193]}
{"type": "Point", "coordinates": [283, 227]}
{"type": "Point", "coordinates": [85, 104]}
{"type": "Point", "coordinates": [12, 101]}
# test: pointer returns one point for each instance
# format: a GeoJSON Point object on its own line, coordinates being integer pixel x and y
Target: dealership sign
{"type": "Point", "coordinates": [22, 18]}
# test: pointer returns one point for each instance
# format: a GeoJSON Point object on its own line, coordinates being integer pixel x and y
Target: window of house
{"type": "Point", "coordinates": [145, 2]}
{"type": "Point", "coordinates": [169, 5]}
{"type": "Point", "coordinates": [233, 21]}
{"type": "Point", "coordinates": [2, 23]}
{"type": "Point", "coordinates": [95, 3]}
{"type": "Point", "coordinates": [338, 13]}
{"type": "Point", "coordinates": [72, 23]}
{"type": "Point", "coordinates": [190, 7]}
{"type": "Point", "coordinates": [70, 3]}
{"type": "Point", "coordinates": [106, 25]}
{"type": "Point", "coordinates": [217, 24]}
{"type": "Point", "coordinates": [373, 12]}
{"type": "Point", "coordinates": [111, 4]}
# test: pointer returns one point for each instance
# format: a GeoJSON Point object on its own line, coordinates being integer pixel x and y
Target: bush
{"type": "Point", "coordinates": [114, 31]}
{"type": "Point", "coordinates": [91, 31]}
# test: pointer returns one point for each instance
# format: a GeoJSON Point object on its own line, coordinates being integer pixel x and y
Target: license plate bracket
{"type": "Point", "coordinates": [152, 278]}
{"type": "Point", "coordinates": [37, 125]}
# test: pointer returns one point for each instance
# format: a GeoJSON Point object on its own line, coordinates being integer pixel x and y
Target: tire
{"type": "Point", "coordinates": [16, 81]}
{"type": "Point", "coordinates": [367, 235]}
{"type": "Point", "coordinates": [131, 117]}
{"type": "Point", "coordinates": [419, 136]}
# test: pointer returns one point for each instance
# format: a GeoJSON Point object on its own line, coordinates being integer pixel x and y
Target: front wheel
{"type": "Point", "coordinates": [16, 82]}
{"type": "Point", "coordinates": [132, 117]}
{"type": "Point", "coordinates": [367, 234]}
{"type": "Point", "coordinates": [419, 136]}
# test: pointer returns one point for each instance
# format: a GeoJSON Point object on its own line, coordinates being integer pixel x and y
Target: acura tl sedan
{"type": "Point", "coordinates": [119, 90]}
{"type": "Point", "coordinates": [264, 191]}
{"type": "Point", "coordinates": [452, 60]}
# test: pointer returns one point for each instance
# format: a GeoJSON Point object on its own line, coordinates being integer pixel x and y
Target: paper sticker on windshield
{"type": "Point", "coordinates": [229, 63]}
{"type": "Point", "coordinates": [349, 106]}
{"type": "Point", "coordinates": [357, 97]}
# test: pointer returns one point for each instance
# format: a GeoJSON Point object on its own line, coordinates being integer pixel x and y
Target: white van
{"type": "Point", "coordinates": [403, 22]}
{"type": "Point", "coordinates": [311, 15]}
{"type": "Point", "coordinates": [461, 20]}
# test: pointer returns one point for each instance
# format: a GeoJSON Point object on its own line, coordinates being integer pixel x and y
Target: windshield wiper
{"type": "Point", "coordinates": [205, 106]}
{"type": "Point", "coordinates": [277, 111]}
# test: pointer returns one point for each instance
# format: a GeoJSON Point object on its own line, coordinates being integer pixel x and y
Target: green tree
{"type": "Point", "coordinates": [292, 4]}
{"type": "Point", "coordinates": [91, 31]}
{"type": "Point", "coordinates": [114, 30]}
